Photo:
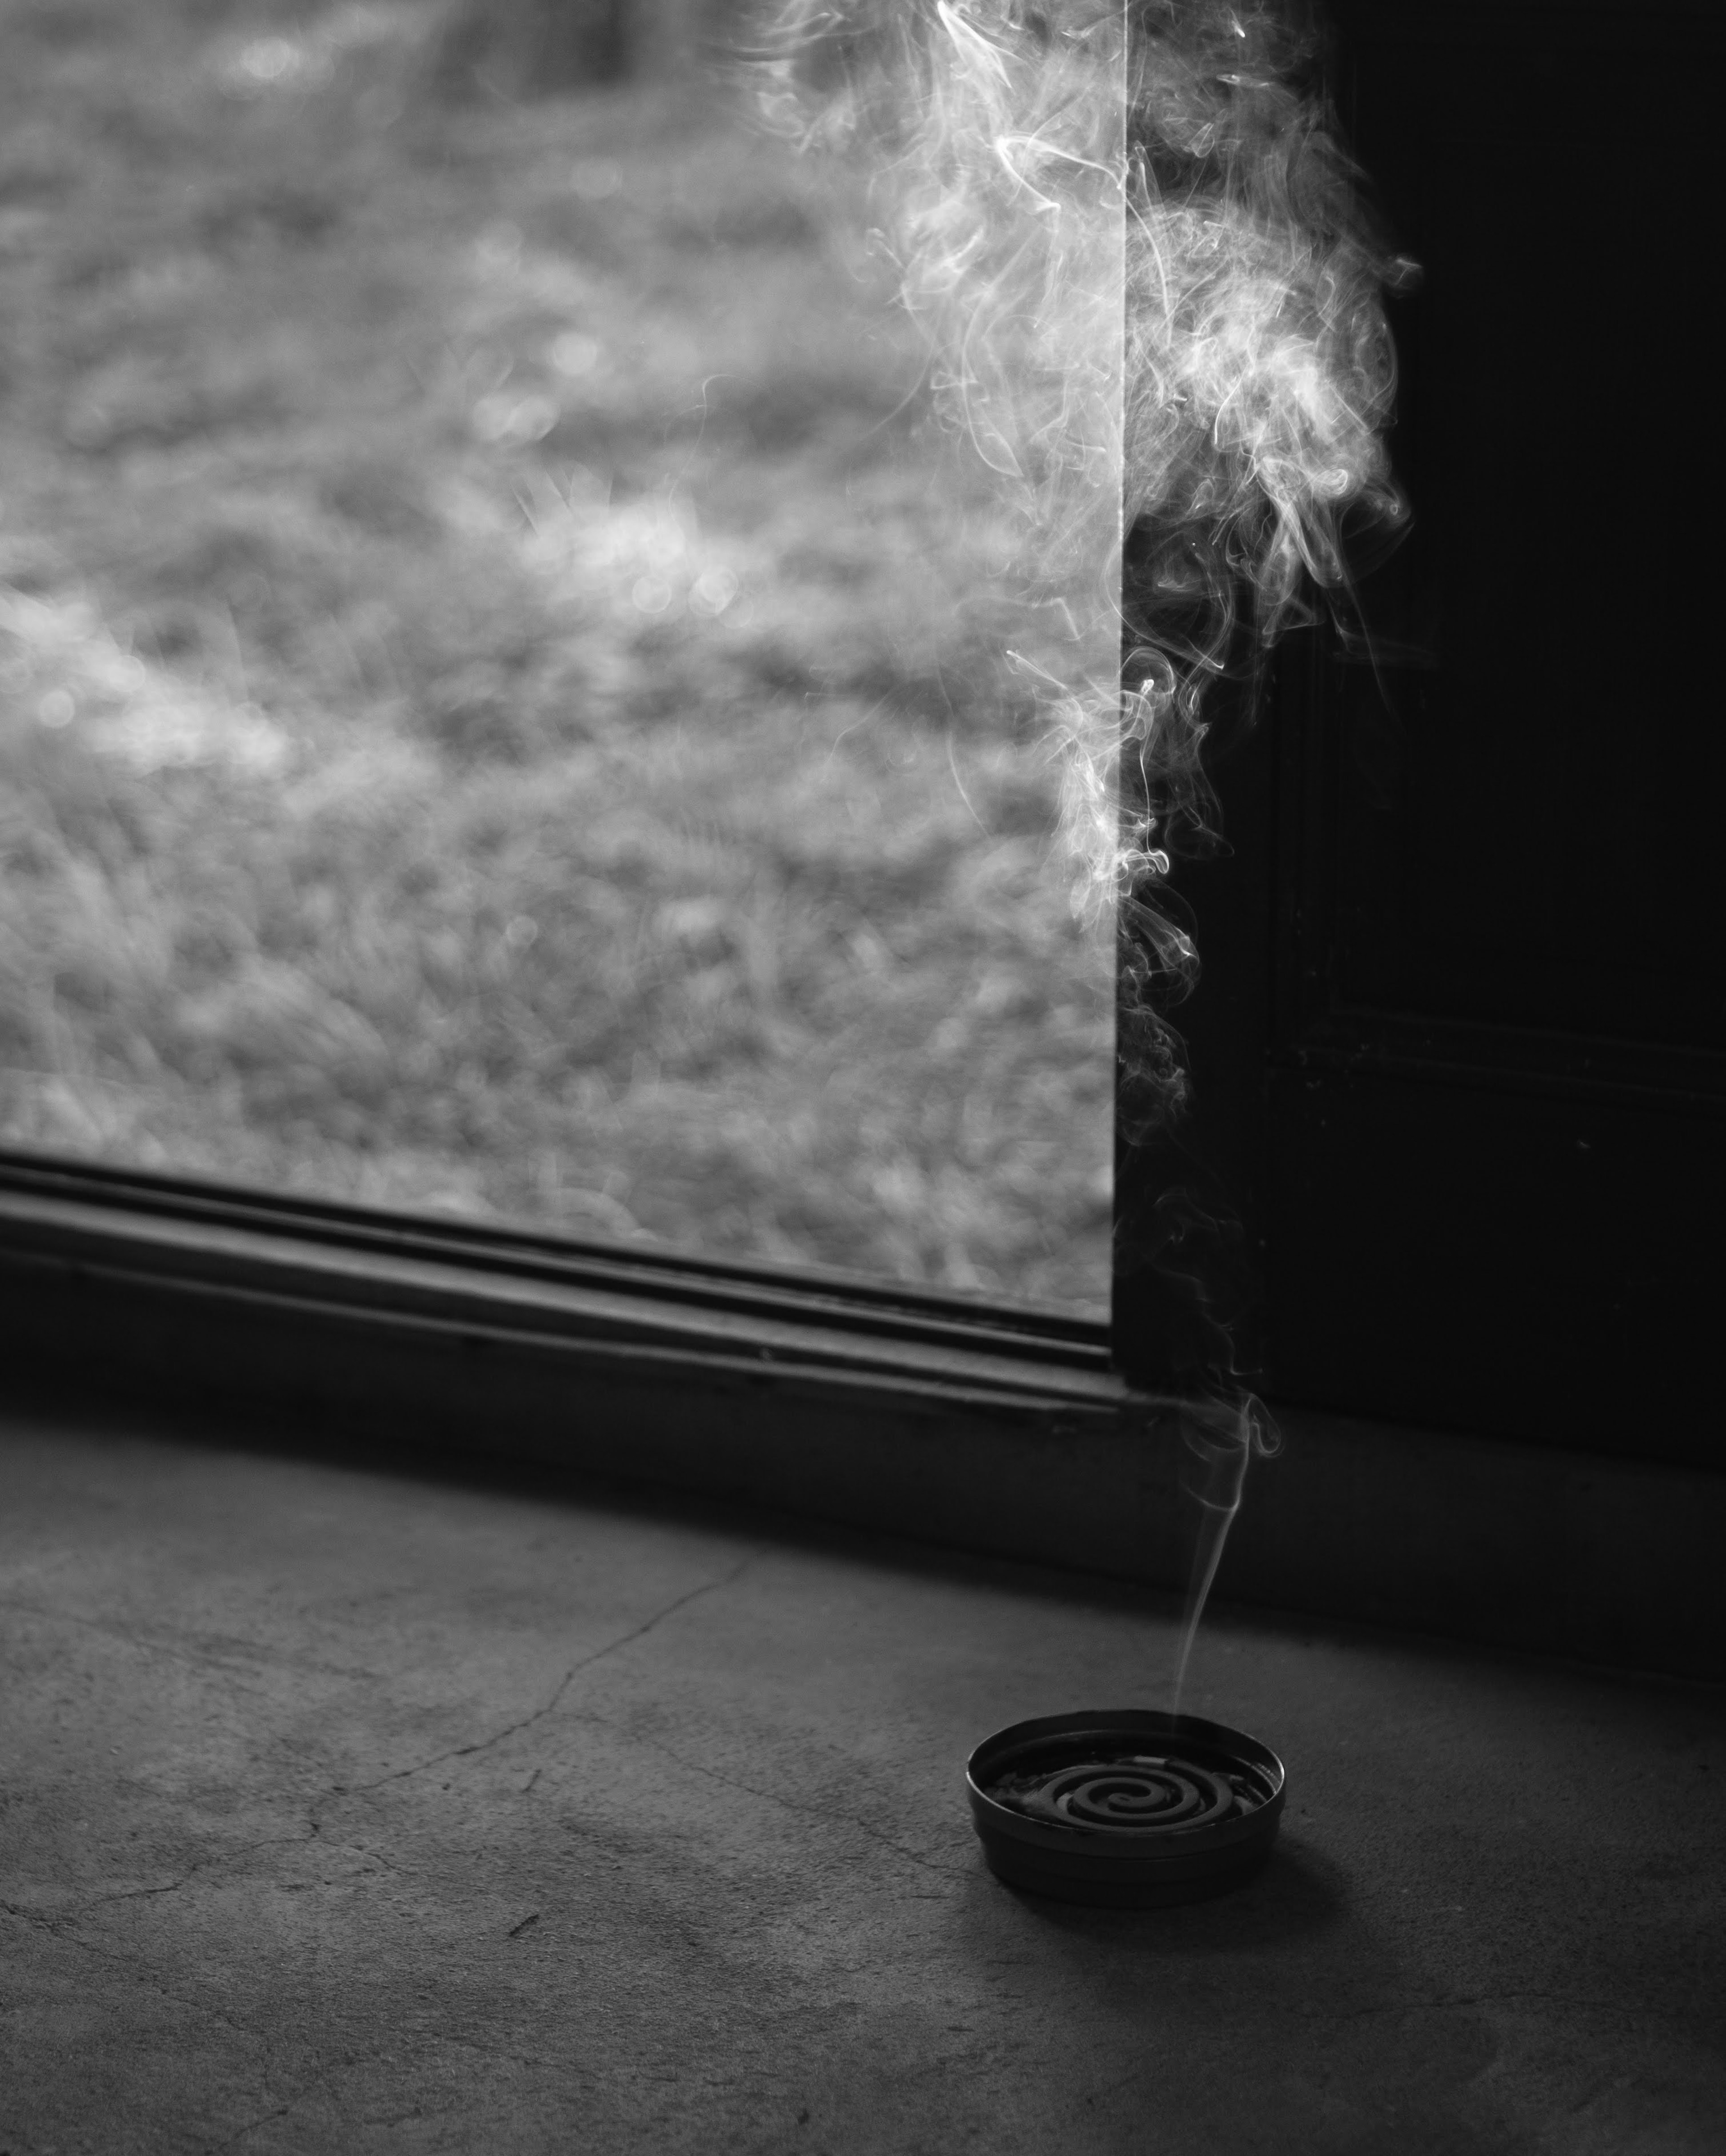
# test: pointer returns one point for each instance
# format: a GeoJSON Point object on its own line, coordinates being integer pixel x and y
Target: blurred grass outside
{"type": "Point", "coordinates": [503, 702]}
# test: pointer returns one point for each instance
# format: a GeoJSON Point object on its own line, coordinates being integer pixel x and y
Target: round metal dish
{"type": "Point", "coordinates": [1132, 1810]}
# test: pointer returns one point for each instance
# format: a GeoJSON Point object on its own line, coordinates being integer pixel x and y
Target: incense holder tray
{"type": "Point", "coordinates": [1133, 1809]}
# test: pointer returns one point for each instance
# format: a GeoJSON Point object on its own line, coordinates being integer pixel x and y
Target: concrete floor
{"type": "Point", "coordinates": [348, 1810]}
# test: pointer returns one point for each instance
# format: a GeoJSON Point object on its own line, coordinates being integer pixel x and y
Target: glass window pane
{"type": "Point", "coordinates": [519, 693]}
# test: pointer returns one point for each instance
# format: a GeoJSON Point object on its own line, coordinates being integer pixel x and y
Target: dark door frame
{"type": "Point", "coordinates": [1373, 1207]}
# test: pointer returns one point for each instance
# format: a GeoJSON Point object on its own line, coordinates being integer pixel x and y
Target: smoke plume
{"type": "Point", "coordinates": [1259, 381]}
{"type": "Point", "coordinates": [1154, 305]}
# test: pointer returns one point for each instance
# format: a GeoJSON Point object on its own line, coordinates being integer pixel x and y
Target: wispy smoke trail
{"type": "Point", "coordinates": [1259, 378]}
{"type": "Point", "coordinates": [997, 133]}
{"type": "Point", "coordinates": [1222, 1438]}
{"type": "Point", "coordinates": [1156, 306]}
{"type": "Point", "coordinates": [1139, 251]}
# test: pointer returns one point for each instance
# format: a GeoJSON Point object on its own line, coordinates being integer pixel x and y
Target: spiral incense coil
{"type": "Point", "coordinates": [1130, 1809]}
{"type": "Point", "coordinates": [1140, 1794]}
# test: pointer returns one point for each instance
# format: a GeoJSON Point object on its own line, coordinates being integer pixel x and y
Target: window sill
{"type": "Point", "coordinates": [584, 1304]}
{"type": "Point", "coordinates": [962, 1423]}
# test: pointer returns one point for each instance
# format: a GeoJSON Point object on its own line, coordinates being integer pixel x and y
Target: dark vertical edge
{"type": "Point", "coordinates": [1189, 1307]}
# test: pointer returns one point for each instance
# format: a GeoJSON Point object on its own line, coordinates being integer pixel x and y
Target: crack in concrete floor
{"type": "Point", "coordinates": [539, 1714]}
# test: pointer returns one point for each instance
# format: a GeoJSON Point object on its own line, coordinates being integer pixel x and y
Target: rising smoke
{"type": "Point", "coordinates": [1259, 379]}
{"type": "Point", "coordinates": [1154, 305]}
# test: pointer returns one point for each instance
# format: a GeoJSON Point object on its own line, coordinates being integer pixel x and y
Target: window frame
{"type": "Point", "coordinates": [971, 1423]}
{"type": "Point", "coordinates": [162, 1305]}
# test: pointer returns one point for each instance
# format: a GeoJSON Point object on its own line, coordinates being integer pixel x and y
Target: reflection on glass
{"type": "Point", "coordinates": [516, 695]}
